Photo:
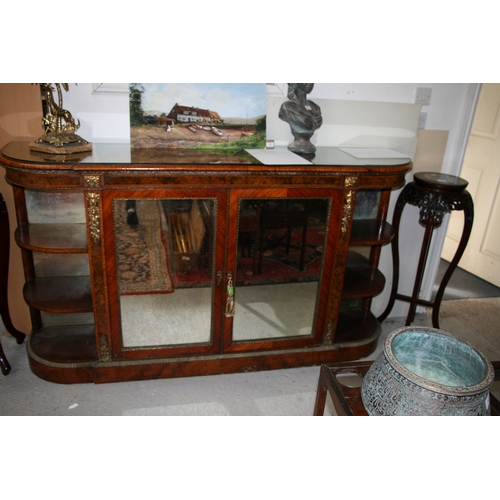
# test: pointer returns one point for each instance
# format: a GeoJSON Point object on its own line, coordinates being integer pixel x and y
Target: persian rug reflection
{"type": "Point", "coordinates": [141, 262]}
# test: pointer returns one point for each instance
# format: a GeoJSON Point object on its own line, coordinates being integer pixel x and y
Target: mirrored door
{"type": "Point", "coordinates": [279, 255]}
{"type": "Point", "coordinates": [164, 253]}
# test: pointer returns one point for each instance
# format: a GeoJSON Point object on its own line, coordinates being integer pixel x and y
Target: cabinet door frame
{"type": "Point", "coordinates": [323, 311]}
{"type": "Point", "coordinates": [118, 350]}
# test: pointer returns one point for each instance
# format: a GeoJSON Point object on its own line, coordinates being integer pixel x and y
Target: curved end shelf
{"type": "Point", "coordinates": [61, 294]}
{"type": "Point", "coordinates": [356, 326]}
{"type": "Point", "coordinates": [63, 354]}
{"type": "Point", "coordinates": [368, 232]}
{"type": "Point", "coordinates": [53, 238]}
{"type": "Point", "coordinates": [361, 280]}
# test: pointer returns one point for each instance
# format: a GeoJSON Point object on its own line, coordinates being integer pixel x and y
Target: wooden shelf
{"type": "Point", "coordinates": [53, 238]}
{"type": "Point", "coordinates": [360, 279]}
{"type": "Point", "coordinates": [369, 232]}
{"type": "Point", "coordinates": [65, 344]}
{"type": "Point", "coordinates": [356, 325]}
{"type": "Point", "coordinates": [62, 294]}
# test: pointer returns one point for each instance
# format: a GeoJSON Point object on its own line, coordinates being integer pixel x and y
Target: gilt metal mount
{"type": "Point", "coordinates": [60, 127]}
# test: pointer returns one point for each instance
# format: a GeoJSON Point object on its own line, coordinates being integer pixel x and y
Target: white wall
{"type": "Point", "coordinates": [445, 112]}
{"type": "Point", "coordinates": [104, 115]}
{"type": "Point", "coordinates": [104, 118]}
{"type": "Point", "coordinates": [354, 124]}
{"type": "Point", "coordinates": [451, 109]}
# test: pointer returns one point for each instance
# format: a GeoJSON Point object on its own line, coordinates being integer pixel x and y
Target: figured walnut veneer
{"type": "Point", "coordinates": [344, 328]}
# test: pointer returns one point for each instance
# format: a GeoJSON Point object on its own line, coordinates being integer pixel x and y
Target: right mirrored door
{"type": "Point", "coordinates": [278, 260]}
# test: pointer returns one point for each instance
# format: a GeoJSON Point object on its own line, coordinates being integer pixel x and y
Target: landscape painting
{"type": "Point", "coordinates": [200, 116]}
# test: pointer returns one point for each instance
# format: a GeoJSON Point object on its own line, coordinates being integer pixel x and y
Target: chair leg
{"type": "Point", "coordinates": [4, 274]}
{"type": "Point", "coordinates": [4, 363]}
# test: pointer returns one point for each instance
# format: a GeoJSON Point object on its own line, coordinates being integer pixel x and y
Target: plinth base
{"type": "Point", "coordinates": [45, 147]}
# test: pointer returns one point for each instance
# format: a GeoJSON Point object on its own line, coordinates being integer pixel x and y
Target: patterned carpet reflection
{"type": "Point", "coordinates": [280, 266]}
{"type": "Point", "coordinates": [141, 261]}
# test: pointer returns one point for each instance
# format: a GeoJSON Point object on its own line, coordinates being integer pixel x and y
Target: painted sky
{"type": "Point", "coordinates": [240, 100]}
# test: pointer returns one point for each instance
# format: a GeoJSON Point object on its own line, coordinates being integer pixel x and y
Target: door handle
{"type": "Point", "coordinates": [229, 312]}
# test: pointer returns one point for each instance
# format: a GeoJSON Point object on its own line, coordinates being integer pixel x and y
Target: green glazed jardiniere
{"type": "Point", "coordinates": [424, 371]}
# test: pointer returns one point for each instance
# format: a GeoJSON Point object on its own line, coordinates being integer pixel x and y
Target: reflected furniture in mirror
{"type": "Point", "coordinates": [281, 214]}
{"type": "Point", "coordinates": [228, 265]}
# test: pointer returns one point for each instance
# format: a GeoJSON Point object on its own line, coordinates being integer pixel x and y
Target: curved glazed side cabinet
{"type": "Point", "coordinates": [145, 264]}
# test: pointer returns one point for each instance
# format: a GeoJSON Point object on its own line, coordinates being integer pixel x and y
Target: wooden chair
{"type": "Point", "coordinates": [285, 215]}
{"type": "Point", "coordinates": [4, 277]}
{"type": "Point", "coordinates": [253, 224]}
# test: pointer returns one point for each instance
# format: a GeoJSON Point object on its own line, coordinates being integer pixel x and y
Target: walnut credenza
{"type": "Point", "coordinates": [144, 264]}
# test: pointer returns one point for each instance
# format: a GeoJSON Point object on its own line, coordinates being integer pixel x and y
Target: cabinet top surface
{"type": "Point", "coordinates": [123, 156]}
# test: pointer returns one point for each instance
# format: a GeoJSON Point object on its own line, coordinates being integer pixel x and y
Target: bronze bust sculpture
{"type": "Point", "coordinates": [303, 116]}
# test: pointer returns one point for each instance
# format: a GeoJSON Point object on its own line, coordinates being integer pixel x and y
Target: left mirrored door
{"type": "Point", "coordinates": [166, 268]}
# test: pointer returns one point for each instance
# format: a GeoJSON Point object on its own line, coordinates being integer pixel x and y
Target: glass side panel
{"type": "Point", "coordinates": [164, 251]}
{"type": "Point", "coordinates": [50, 264]}
{"type": "Point", "coordinates": [55, 207]}
{"type": "Point", "coordinates": [367, 204]}
{"type": "Point", "coordinates": [279, 260]}
{"type": "Point", "coordinates": [57, 319]}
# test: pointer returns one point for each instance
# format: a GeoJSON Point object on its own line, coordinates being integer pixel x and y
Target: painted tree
{"type": "Point", "coordinates": [260, 126]}
{"type": "Point", "coordinates": [136, 111]}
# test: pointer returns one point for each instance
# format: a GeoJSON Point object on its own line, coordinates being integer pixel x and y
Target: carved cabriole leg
{"type": "Point", "coordinates": [4, 274]}
{"type": "Point", "coordinates": [466, 204]}
{"type": "Point", "coordinates": [396, 219]}
{"type": "Point", "coordinates": [4, 278]}
{"type": "Point", "coordinates": [4, 362]}
{"type": "Point", "coordinates": [340, 259]}
{"type": "Point", "coordinates": [97, 268]}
